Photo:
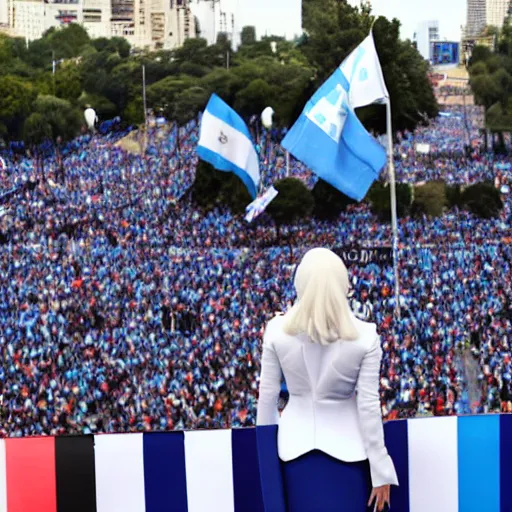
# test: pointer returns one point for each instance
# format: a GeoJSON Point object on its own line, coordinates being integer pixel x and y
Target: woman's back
{"type": "Point", "coordinates": [331, 364]}
{"type": "Point", "coordinates": [324, 411]}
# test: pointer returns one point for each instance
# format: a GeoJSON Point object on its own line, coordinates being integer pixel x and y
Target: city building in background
{"type": "Point", "coordinates": [476, 17]}
{"type": "Point", "coordinates": [214, 19]}
{"type": "Point", "coordinates": [427, 32]}
{"type": "Point", "coordinates": [484, 13]}
{"type": "Point", "coordinates": [496, 12]}
{"type": "Point", "coordinates": [146, 24]}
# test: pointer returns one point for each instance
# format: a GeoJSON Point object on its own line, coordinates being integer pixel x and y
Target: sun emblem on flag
{"type": "Point", "coordinates": [223, 139]}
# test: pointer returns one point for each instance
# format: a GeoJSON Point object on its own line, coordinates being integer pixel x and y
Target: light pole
{"type": "Point", "coordinates": [144, 103]}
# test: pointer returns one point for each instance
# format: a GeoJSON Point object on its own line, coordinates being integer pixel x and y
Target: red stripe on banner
{"type": "Point", "coordinates": [31, 484]}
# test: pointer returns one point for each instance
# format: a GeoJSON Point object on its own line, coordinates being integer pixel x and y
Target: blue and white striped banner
{"type": "Point", "coordinates": [452, 464]}
{"type": "Point", "coordinates": [446, 464]}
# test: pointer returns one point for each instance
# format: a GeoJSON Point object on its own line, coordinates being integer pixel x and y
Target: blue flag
{"type": "Point", "coordinates": [329, 138]}
{"type": "Point", "coordinates": [225, 142]}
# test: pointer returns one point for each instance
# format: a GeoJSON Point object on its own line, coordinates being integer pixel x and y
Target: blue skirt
{"type": "Point", "coordinates": [317, 482]}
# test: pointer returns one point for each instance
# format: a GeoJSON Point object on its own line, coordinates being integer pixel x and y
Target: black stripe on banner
{"type": "Point", "coordinates": [76, 479]}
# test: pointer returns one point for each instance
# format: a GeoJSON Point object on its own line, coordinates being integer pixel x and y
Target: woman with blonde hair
{"type": "Point", "coordinates": [330, 435]}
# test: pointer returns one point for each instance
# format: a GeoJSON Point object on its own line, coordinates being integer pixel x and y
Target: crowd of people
{"type": "Point", "coordinates": [123, 307]}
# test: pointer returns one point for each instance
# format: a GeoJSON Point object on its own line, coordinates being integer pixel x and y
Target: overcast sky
{"type": "Point", "coordinates": [283, 17]}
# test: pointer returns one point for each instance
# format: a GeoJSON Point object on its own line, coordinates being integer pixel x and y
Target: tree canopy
{"type": "Point", "coordinates": [491, 79]}
{"type": "Point", "coordinates": [106, 74]}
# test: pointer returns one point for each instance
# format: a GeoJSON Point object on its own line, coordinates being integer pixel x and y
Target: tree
{"type": "Point", "coordinates": [248, 35]}
{"type": "Point", "coordinates": [16, 99]}
{"type": "Point", "coordinates": [188, 103]}
{"type": "Point", "coordinates": [212, 187]}
{"type": "Point", "coordinates": [380, 200]}
{"type": "Point", "coordinates": [483, 200]}
{"type": "Point", "coordinates": [430, 199]}
{"type": "Point", "coordinates": [117, 45]}
{"type": "Point", "coordinates": [207, 186]}
{"type": "Point", "coordinates": [454, 196]}
{"type": "Point", "coordinates": [254, 98]}
{"type": "Point", "coordinates": [68, 82]}
{"type": "Point", "coordinates": [223, 82]}
{"type": "Point", "coordinates": [36, 130]}
{"type": "Point", "coordinates": [104, 108]}
{"type": "Point", "coordinates": [64, 119]}
{"type": "Point", "coordinates": [294, 202]}
{"type": "Point", "coordinates": [162, 94]}
{"type": "Point", "coordinates": [193, 50]}
{"type": "Point", "coordinates": [335, 28]}
{"type": "Point", "coordinates": [329, 202]}
{"type": "Point", "coordinates": [133, 114]}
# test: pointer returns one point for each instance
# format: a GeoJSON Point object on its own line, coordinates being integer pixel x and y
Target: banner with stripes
{"type": "Point", "coordinates": [444, 464]}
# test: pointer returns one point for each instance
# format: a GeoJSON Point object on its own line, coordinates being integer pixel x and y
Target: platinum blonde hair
{"type": "Point", "coordinates": [322, 310]}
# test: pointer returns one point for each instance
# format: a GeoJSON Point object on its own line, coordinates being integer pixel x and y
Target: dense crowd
{"type": "Point", "coordinates": [125, 308]}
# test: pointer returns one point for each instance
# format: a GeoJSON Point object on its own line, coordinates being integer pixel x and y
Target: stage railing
{"type": "Point", "coordinates": [444, 464]}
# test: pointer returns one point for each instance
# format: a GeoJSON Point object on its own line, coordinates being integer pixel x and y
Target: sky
{"type": "Point", "coordinates": [283, 17]}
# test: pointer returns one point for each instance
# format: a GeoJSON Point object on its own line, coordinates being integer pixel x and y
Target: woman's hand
{"type": "Point", "coordinates": [380, 495]}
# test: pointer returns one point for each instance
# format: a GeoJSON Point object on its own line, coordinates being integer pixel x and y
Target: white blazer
{"type": "Point", "coordinates": [334, 403]}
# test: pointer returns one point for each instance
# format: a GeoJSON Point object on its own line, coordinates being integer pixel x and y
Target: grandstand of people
{"type": "Point", "coordinates": [126, 308]}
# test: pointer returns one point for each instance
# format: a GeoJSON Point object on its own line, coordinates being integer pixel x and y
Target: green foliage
{"type": "Point", "coordinates": [254, 98]}
{"type": "Point", "coordinates": [104, 108]}
{"type": "Point", "coordinates": [212, 187]}
{"type": "Point", "coordinates": [271, 71]}
{"type": "Point", "coordinates": [68, 82]}
{"type": "Point", "coordinates": [16, 99]}
{"type": "Point", "coordinates": [430, 199]}
{"type": "Point", "coordinates": [133, 114]}
{"type": "Point", "coordinates": [207, 185]}
{"type": "Point", "coordinates": [163, 95]}
{"type": "Point", "coordinates": [454, 196]}
{"type": "Point", "coordinates": [380, 200]}
{"type": "Point", "coordinates": [294, 202]}
{"type": "Point", "coordinates": [499, 119]}
{"type": "Point", "coordinates": [480, 54]}
{"type": "Point", "coordinates": [483, 200]}
{"type": "Point", "coordinates": [64, 119]}
{"type": "Point", "coordinates": [491, 80]}
{"type": "Point", "coordinates": [329, 202]}
{"type": "Point", "coordinates": [248, 35]}
{"type": "Point", "coordinates": [189, 102]}
{"type": "Point", "coordinates": [36, 129]}
{"type": "Point", "coordinates": [335, 28]}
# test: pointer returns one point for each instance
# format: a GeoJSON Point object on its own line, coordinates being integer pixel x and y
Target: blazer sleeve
{"type": "Point", "coordinates": [270, 384]}
{"type": "Point", "coordinates": [368, 404]}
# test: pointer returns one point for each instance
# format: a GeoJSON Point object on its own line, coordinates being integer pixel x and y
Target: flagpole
{"type": "Point", "coordinates": [394, 216]}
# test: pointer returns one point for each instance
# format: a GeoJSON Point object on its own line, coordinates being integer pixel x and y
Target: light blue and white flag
{"type": "Point", "coordinates": [329, 138]}
{"type": "Point", "coordinates": [225, 142]}
{"type": "Point", "coordinates": [364, 75]}
{"type": "Point", "coordinates": [259, 205]}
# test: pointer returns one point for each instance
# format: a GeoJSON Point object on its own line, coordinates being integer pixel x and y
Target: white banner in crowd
{"type": "Point", "coordinates": [423, 148]}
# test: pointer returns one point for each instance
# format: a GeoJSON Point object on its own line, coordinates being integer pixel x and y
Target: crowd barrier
{"type": "Point", "coordinates": [444, 465]}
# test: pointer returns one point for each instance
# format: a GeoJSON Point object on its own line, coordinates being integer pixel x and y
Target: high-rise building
{"type": "Point", "coordinates": [427, 32]}
{"type": "Point", "coordinates": [214, 20]}
{"type": "Point", "coordinates": [149, 24]}
{"type": "Point", "coordinates": [476, 17]}
{"type": "Point", "coordinates": [496, 12]}
{"type": "Point", "coordinates": [482, 13]}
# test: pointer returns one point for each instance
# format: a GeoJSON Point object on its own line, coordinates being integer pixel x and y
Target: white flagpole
{"type": "Point", "coordinates": [394, 217]}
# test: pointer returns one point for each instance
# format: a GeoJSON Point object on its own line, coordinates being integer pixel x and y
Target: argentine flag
{"type": "Point", "coordinates": [225, 143]}
{"type": "Point", "coordinates": [329, 138]}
